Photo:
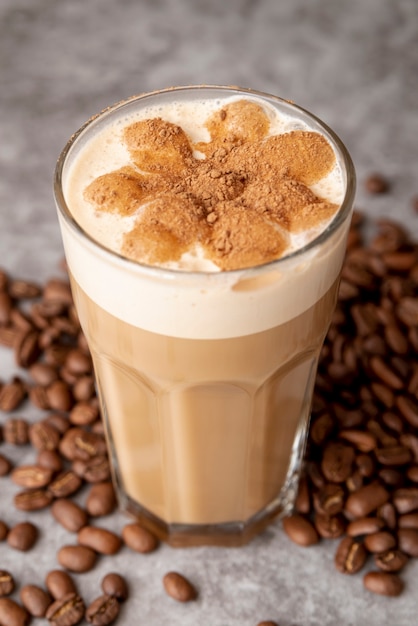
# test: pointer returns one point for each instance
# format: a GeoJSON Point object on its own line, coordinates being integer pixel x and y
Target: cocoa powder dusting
{"type": "Point", "coordinates": [239, 203]}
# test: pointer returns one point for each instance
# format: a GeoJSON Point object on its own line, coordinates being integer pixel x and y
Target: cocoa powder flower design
{"type": "Point", "coordinates": [237, 196]}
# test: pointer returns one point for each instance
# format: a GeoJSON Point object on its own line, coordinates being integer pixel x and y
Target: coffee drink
{"type": "Point", "coordinates": [205, 232]}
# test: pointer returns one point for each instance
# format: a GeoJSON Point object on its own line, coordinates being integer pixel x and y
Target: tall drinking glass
{"type": "Point", "coordinates": [205, 378]}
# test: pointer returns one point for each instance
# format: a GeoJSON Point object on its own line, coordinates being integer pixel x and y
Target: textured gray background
{"type": "Point", "coordinates": [353, 63]}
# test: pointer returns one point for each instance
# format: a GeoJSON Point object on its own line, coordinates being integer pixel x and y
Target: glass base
{"type": "Point", "coordinates": [230, 534]}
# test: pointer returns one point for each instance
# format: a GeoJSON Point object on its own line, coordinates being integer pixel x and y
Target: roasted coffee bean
{"type": "Point", "coordinates": [409, 520]}
{"type": "Point", "coordinates": [43, 436]}
{"type": "Point", "coordinates": [77, 558]}
{"type": "Point", "coordinates": [350, 556]}
{"type": "Point", "coordinates": [98, 428]}
{"type": "Point", "coordinates": [69, 514]}
{"type": "Point", "coordinates": [411, 442]}
{"type": "Point", "coordinates": [77, 443]}
{"type": "Point", "coordinates": [95, 470]}
{"type": "Point", "coordinates": [321, 428]}
{"type": "Point", "coordinates": [67, 376]}
{"type": "Point", "coordinates": [35, 600]}
{"type": "Point", "coordinates": [408, 541]}
{"type": "Point", "coordinates": [139, 538]}
{"type": "Point", "coordinates": [7, 583]}
{"type": "Point", "coordinates": [413, 383]}
{"type": "Point", "coordinates": [393, 421]}
{"type": "Point", "coordinates": [49, 459]}
{"type": "Point", "coordinates": [38, 397]}
{"type": "Point", "coordinates": [376, 184]}
{"type": "Point", "coordinates": [390, 237]}
{"type": "Point", "coordinates": [391, 560]}
{"type": "Point", "coordinates": [347, 291]}
{"type": "Point", "coordinates": [47, 310]}
{"type": "Point", "coordinates": [383, 583]}
{"type": "Point", "coordinates": [58, 290]}
{"type": "Point", "coordinates": [393, 455]}
{"type": "Point", "coordinates": [412, 473]}
{"type": "Point", "coordinates": [6, 306]}
{"type": "Point", "coordinates": [59, 421]}
{"type": "Point", "coordinates": [99, 539]}
{"type": "Point", "coordinates": [395, 338]}
{"type": "Point", "coordinates": [83, 413]}
{"type": "Point", "coordinates": [387, 513]}
{"type": "Point", "coordinates": [22, 536]}
{"type": "Point", "coordinates": [78, 362]}
{"type": "Point", "coordinates": [5, 465]}
{"type": "Point", "coordinates": [354, 482]}
{"type": "Point", "coordinates": [363, 441]}
{"type": "Point", "coordinates": [4, 280]}
{"type": "Point", "coordinates": [101, 499]}
{"type": "Point", "coordinates": [4, 529]}
{"type": "Point", "coordinates": [406, 499]}
{"type": "Point", "coordinates": [11, 396]}
{"type": "Point", "coordinates": [300, 530]}
{"type": "Point", "coordinates": [379, 542]}
{"type": "Point", "coordinates": [65, 484]}
{"type": "Point", "coordinates": [409, 409]}
{"type": "Point", "coordinates": [83, 388]}
{"type": "Point", "coordinates": [23, 289]}
{"type": "Point", "coordinates": [32, 499]}
{"type": "Point", "coordinates": [31, 476]}
{"type": "Point", "coordinates": [59, 396]}
{"type": "Point", "coordinates": [329, 527]}
{"type": "Point", "coordinates": [66, 611]}
{"type": "Point", "coordinates": [55, 354]}
{"type": "Point", "coordinates": [359, 276]}
{"type": "Point", "coordinates": [26, 348]}
{"type": "Point", "coordinates": [391, 477]}
{"type": "Point", "coordinates": [12, 614]}
{"type": "Point", "coordinates": [65, 325]}
{"type": "Point", "coordinates": [46, 340]}
{"type": "Point", "coordinates": [407, 311]}
{"type": "Point", "coordinates": [20, 321]}
{"type": "Point", "coordinates": [329, 500]}
{"type": "Point", "coordinates": [8, 336]}
{"type": "Point", "coordinates": [315, 475]}
{"type": "Point", "coordinates": [384, 372]}
{"type": "Point", "coordinates": [366, 500]}
{"type": "Point", "coordinates": [178, 587]}
{"type": "Point", "coordinates": [59, 584]}
{"type": "Point", "coordinates": [337, 461]}
{"type": "Point", "coordinates": [114, 584]}
{"type": "Point", "coordinates": [43, 374]}
{"type": "Point", "coordinates": [103, 610]}
{"type": "Point", "coordinates": [364, 526]}
{"type": "Point", "coordinates": [16, 431]}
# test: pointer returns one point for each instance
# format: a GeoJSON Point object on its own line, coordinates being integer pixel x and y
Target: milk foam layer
{"type": "Point", "coordinates": [206, 304]}
{"type": "Point", "coordinates": [107, 152]}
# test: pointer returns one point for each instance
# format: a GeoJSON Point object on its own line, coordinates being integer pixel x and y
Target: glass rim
{"type": "Point", "coordinates": [171, 273]}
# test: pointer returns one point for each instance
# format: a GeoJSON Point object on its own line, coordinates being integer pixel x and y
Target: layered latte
{"type": "Point", "coordinates": [204, 231]}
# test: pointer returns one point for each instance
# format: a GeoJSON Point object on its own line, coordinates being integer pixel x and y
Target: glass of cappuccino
{"type": "Point", "coordinates": [204, 230]}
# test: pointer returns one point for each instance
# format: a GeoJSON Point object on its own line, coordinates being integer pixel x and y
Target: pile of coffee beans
{"type": "Point", "coordinates": [69, 454]}
{"type": "Point", "coordinates": [360, 486]}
